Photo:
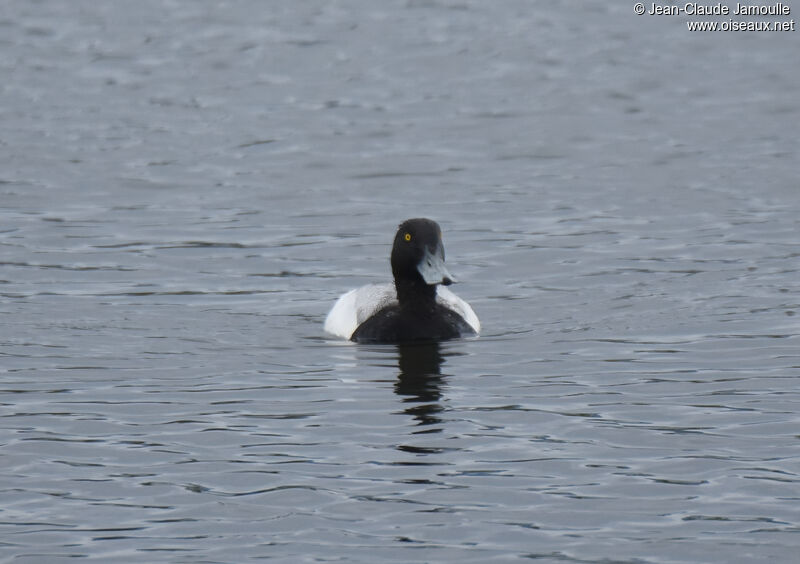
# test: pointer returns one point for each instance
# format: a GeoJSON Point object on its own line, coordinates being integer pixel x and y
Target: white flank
{"type": "Point", "coordinates": [448, 299]}
{"type": "Point", "coordinates": [356, 306]}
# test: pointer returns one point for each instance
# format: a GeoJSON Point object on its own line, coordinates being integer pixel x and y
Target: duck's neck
{"type": "Point", "coordinates": [413, 293]}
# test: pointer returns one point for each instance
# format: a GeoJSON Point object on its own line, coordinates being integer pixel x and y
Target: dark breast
{"type": "Point", "coordinates": [395, 324]}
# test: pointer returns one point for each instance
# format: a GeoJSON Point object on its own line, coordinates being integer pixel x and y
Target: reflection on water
{"type": "Point", "coordinates": [420, 381]}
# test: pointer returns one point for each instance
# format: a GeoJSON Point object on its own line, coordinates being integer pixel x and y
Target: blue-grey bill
{"type": "Point", "coordinates": [432, 268]}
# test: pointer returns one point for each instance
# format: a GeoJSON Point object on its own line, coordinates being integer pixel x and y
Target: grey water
{"type": "Point", "coordinates": [186, 188]}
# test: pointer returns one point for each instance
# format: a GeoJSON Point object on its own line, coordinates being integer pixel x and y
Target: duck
{"type": "Point", "coordinates": [417, 307]}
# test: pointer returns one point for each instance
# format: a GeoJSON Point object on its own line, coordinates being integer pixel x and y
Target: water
{"type": "Point", "coordinates": [185, 188]}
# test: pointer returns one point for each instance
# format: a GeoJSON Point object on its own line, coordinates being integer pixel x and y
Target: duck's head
{"type": "Point", "coordinates": [418, 254]}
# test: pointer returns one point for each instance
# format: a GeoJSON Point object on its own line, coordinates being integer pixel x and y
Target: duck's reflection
{"type": "Point", "coordinates": [420, 381]}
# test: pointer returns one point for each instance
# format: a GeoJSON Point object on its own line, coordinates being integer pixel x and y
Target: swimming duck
{"type": "Point", "coordinates": [417, 307]}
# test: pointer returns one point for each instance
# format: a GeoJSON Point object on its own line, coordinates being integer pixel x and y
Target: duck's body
{"type": "Point", "coordinates": [417, 307]}
{"type": "Point", "coordinates": [372, 313]}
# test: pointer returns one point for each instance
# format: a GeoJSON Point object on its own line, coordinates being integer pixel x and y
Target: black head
{"type": "Point", "coordinates": [418, 254]}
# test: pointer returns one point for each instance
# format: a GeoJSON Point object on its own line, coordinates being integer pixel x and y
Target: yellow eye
{"type": "Point", "coordinates": [407, 236]}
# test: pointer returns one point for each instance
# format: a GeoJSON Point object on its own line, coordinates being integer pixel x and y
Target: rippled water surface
{"type": "Point", "coordinates": [186, 187]}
